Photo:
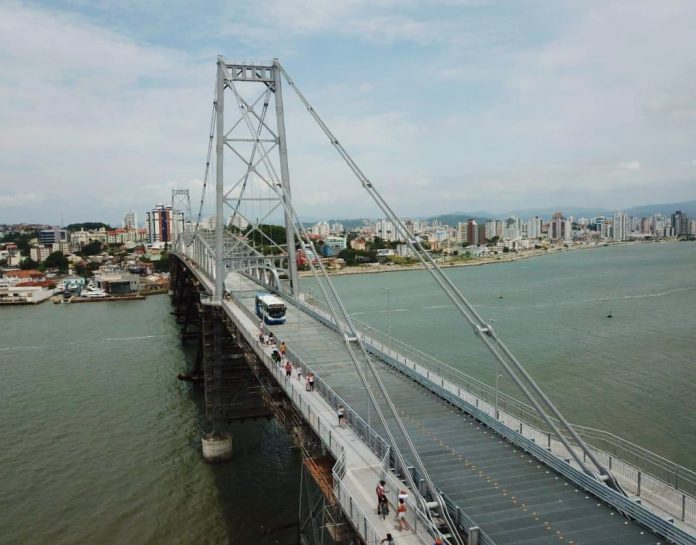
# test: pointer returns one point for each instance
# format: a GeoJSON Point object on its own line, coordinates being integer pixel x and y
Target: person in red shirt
{"type": "Point", "coordinates": [401, 515]}
{"type": "Point", "coordinates": [381, 493]}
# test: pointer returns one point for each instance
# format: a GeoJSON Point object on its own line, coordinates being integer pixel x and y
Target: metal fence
{"type": "Point", "coordinates": [654, 479]}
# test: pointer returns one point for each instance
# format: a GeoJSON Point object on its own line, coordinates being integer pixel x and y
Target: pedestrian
{"type": "Point", "coordinates": [310, 382]}
{"type": "Point", "coordinates": [403, 494]}
{"type": "Point", "coordinates": [288, 369]}
{"type": "Point", "coordinates": [271, 338]}
{"type": "Point", "coordinates": [275, 355]}
{"type": "Point", "coordinates": [381, 493]}
{"type": "Point", "coordinates": [401, 515]}
{"type": "Point", "coordinates": [261, 337]}
{"type": "Point", "coordinates": [299, 373]}
{"type": "Point", "coordinates": [438, 540]}
{"type": "Point", "coordinates": [383, 507]}
{"type": "Point", "coordinates": [389, 540]}
{"type": "Point", "coordinates": [283, 348]}
{"type": "Point", "coordinates": [341, 413]}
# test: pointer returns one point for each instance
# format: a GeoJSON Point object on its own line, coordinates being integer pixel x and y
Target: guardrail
{"type": "Point", "coordinates": [637, 479]}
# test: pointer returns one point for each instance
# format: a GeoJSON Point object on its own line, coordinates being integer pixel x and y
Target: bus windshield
{"type": "Point", "coordinates": [276, 311]}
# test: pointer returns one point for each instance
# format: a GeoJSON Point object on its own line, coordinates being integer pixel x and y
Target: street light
{"type": "Point", "coordinates": [497, 377]}
{"type": "Point", "coordinates": [388, 318]}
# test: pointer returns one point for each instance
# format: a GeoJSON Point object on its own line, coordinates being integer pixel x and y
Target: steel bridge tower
{"type": "Point", "coordinates": [257, 174]}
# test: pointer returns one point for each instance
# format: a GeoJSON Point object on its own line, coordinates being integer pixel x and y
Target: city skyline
{"type": "Point", "coordinates": [130, 215]}
{"type": "Point", "coordinates": [588, 104]}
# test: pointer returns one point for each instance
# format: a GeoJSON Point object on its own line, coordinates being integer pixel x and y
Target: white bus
{"type": "Point", "coordinates": [270, 308]}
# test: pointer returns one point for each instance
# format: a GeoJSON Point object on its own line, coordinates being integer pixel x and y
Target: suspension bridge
{"type": "Point", "coordinates": [474, 465]}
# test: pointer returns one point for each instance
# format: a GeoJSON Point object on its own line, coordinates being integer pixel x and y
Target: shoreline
{"type": "Point", "coordinates": [475, 262]}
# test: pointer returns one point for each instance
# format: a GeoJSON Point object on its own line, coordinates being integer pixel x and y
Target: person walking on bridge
{"type": "Point", "coordinates": [288, 369]}
{"type": "Point", "coordinates": [341, 413]}
{"type": "Point", "coordinates": [381, 492]}
{"type": "Point", "coordinates": [401, 515]}
{"type": "Point", "coordinates": [283, 349]}
{"type": "Point", "coordinates": [389, 540]}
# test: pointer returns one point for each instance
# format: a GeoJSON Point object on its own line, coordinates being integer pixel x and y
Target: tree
{"type": "Point", "coordinates": [348, 255]}
{"type": "Point", "coordinates": [377, 243]}
{"type": "Point", "coordinates": [88, 225]}
{"type": "Point", "coordinates": [163, 264]}
{"type": "Point", "coordinates": [28, 264]}
{"type": "Point", "coordinates": [275, 232]}
{"type": "Point", "coordinates": [58, 261]}
{"type": "Point", "coordinates": [21, 240]}
{"type": "Point", "coordinates": [91, 248]}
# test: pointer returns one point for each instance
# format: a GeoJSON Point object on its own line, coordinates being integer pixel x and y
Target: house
{"type": "Point", "coordinates": [14, 276]}
{"type": "Point", "coordinates": [118, 283]}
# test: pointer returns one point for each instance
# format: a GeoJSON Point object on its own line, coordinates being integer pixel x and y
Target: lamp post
{"type": "Point", "coordinates": [498, 376]}
{"type": "Point", "coordinates": [388, 318]}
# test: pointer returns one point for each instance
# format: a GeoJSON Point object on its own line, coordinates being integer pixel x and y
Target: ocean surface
{"type": "Point", "coordinates": [100, 442]}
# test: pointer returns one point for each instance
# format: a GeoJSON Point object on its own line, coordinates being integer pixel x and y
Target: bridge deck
{"type": "Point", "coordinates": [514, 498]}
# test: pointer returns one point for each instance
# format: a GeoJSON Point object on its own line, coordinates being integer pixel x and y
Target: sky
{"type": "Point", "coordinates": [446, 105]}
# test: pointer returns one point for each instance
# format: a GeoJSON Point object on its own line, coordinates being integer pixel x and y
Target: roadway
{"type": "Point", "coordinates": [511, 496]}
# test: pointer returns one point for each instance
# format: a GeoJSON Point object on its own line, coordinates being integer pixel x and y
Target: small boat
{"type": "Point", "coordinates": [610, 315]}
{"type": "Point", "coordinates": [93, 293]}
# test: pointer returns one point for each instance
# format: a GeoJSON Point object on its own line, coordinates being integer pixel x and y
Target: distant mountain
{"type": "Point", "coordinates": [348, 223]}
{"type": "Point", "coordinates": [481, 216]}
{"type": "Point", "coordinates": [547, 213]}
{"type": "Point", "coordinates": [461, 217]}
{"type": "Point", "coordinates": [688, 207]}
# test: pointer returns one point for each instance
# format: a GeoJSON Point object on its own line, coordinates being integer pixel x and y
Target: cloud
{"type": "Point", "coordinates": [20, 199]}
{"type": "Point", "coordinates": [444, 105]}
{"type": "Point", "coordinates": [89, 115]}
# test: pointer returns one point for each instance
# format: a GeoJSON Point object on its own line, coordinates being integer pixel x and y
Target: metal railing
{"type": "Point", "coordinates": [654, 479]}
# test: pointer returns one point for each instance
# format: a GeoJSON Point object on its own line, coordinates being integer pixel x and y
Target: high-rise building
{"type": "Point", "coordinates": [130, 220]}
{"type": "Point", "coordinates": [556, 227]}
{"type": "Point", "coordinates": [163, 224]}
{"type": "Point", "coordinates": [52, 236]}
{"type": "Point", "coordinates": [386, 230]}
{"type": "Point", "coordinates": [621, 226]}
{"type": "Point", "coordinates": [472, 233]}
{"type": "Point", "coordinates": [482, 235]}
{"type": "Point", "coordinates": [321, 228]}
{"type": "Point", "coordinates": [680, 223]}
{"type": "Point", "coordinates": [512, 228]}
{"type": "Point", "coordinates": [238, 221]}
{"type": "Point", "coordinates": [534, 228]}
{"type": "Point", "coordinates": [491, 229]}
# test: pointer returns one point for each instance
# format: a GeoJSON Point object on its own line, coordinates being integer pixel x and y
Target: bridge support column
{"type": "Point", "coordinates": [217, 447]}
